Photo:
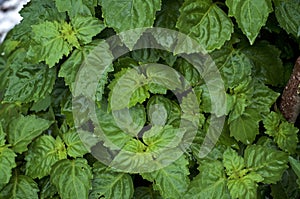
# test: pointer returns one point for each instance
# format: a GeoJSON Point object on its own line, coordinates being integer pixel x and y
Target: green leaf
{"type": "Point", "coordinates": [162, 111]}
{"type": "Point", "coordinates": [77, 7]}
{"type": "Point", "coordinates": [127, 89]}
{"type": "Point", "coordinates": [53, 41]}
{"type": "Point", "coordinates": [29, 82]}
{"type": "Point", "coordinates": [24, 129]}
{"type": "Point", "coordinates": [245, 128]}
{"type": "Point", "coordinates": [267, 162]}
{"type": "Point", "coordinates": [20, 187]}
{"type": "Point", "coordinates": [295, 166]}
{"type": "Point", "coordinates": [244, 187]}
{"type": "Point", "coordinates": [89, 56]}
{"type": "Point", "coordinates": [250, 15]}
{"type": "Point", "coordinates": [235, 67]}
{"type": "Point", "coordinates": [205, 22]}
{"type": "Point", "coordinates": [288, 16]}
{"type": "Point", "coordinates": [113, 135]}
{"type": "Point", "coordinates": [284, 133]}
{"type": "Point", "coordinates": [268, 66]}
{"type": "Point", "coordinates": [171, 181]}
{"type": "Point", "coordinates": [287, 187]}
{"type": "Point", "coordinates": [86, 28]}
{"type": "Point", "coordinates": [190, 73]}
{"type": "Point", "coordinates": [210, 183]}
{"type": "Point", "coordinates": [232, 161]}
{"type": "Point", "coordinates": [263, 98]}
{"type": "Point", "coordinates": [7, 162]}
{"type": "Point", "coordinates": [75, 146]}
{"type": "Point", "coordinates": [2, 136]}
{"type": "Point", "coordinates": [42, 154]}
{"type": "Point", "coordinates": [159, 138]}
{"type": "Point", "coordinates": [145, 193]}
{"type": "Point", "coordinates": [72, 178]}
{"type": "Point", "coordinates": [164, 76]}
{"type": "Point", "coordinates": [167, 17]}
{"type": "Point", "coordinates": [134, 14]}
{"type": "Point", "coordinates": [110, 184]}
{"type": "Point", "coordinates": [47, 190]}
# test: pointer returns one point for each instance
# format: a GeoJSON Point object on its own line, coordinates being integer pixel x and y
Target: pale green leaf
{"type": "Point", "coordinates": [29, 82]}
{"type": "Point", "coordinates": [210, 183]}
{"type": "Point", "coordinates": [161, 138]}
{"type": "Point", "coordinates": [232, 161]}
{"type": "Point", "coordinates": [205, 22]}
{"type": "Point", "coordinates": [86, 28]}
{"type": "Point", "coordinates": [171, 181]}
{"type": "Point", "coordinates": [127, 89]}
{"type": "Point", "coordinates": [42, 154]}
{"type": "Point", "coordinates": [161, 111]}
{"type": "Point", "coordinates": [288, 16]}
{"type": "Point", "coordinates": [244, 187]}
{"type": "Point", "coordinates": [110, 132]}
{"type": "Point", "coordinates": [75, 146]}
{"type": "Point", "coordinates": [164, 76]}
{"type": "Point", "coordinates": [267, 162]}
{"type": "Point", "coordinates": [245, 127]}
{"type": "Point", "coordinates": [20, 187]}
{"type": "Point", "coordinates": [109, 184]}
{"type": "Point", "coordinates": [24, 129]}
{"type": "Point", "coordinates": [72, 178]}
{"type": "Point", "coordinates": [7, 162]}
{"type": "Point", "coordinates": [250, 15]}
{"type": "Point", "coordinates": [53, 41]}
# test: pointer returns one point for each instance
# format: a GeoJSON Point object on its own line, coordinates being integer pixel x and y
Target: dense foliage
{"type": "Point", "coordinates": [254, 44]}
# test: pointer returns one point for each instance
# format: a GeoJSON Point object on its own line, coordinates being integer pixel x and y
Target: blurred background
{"type": "Point", "coordinates": [9, 15]}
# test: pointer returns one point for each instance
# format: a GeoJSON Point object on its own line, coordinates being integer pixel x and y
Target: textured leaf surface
{"type": "Point", "coordinates": [20, 187]}
{"type": "Point", "coordinates": [268, 66]}
{"type": "Point", "coordinates": [250, 15]}
{"type": "Point", "coordinates": [205, 22]}
{"type": "Point", "coordinates": [267, 162]}
{"type": "Point", "coordinates": [29, 82]}
{"type": "Point", "coordinates": [86, 28]}
{"type": "Point", "coordinates": [7, 162]}
{"type": "Point", "coordinates": [77, 7]}
{"type": "Point", "coordinates": [24, 129]}
{"type": "Point", "coordinates": [245, 128]}
{"type": "Point", "coordinates": [72, 178]}
{"type": "Point", "coordinates": [134, 14]}
{"type": "Point", "coordinates": [54, 40]}
{"type": "Point", "coordinates": [234, 66]}
{"type": "Point", "coordinates": [288, 15]}
{"type": "Point", "coordinates": [110, 184]}
{"type": "Point", "coordinates": [75, 146]}
{"type": "Point", "coordinates": [284, 133]}
{"type": "Point", "coordinates": [171, 181]}
{"type": "Point", "coordinates": [42, 154]}
{"type": "Point", "coordinates": [244, 187]}
{"type": "Point", "coordinates": [210, 183]}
